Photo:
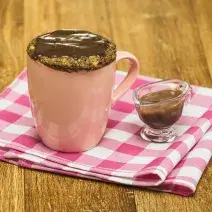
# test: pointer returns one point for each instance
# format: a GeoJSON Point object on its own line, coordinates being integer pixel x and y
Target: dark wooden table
{"type": "Point", "coordinates": [171, 38]}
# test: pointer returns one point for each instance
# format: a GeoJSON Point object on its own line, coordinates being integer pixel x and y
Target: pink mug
{"type": "Point", "coordinates": [70, 110]}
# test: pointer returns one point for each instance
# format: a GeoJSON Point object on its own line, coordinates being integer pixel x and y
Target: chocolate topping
{"type": "Point", "coordinates": [72, 50]}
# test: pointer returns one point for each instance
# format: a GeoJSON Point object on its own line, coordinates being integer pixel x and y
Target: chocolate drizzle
{"type": "Point", "coordinates": [72, 50]}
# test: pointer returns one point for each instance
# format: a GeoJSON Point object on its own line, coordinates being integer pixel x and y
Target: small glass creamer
{"type": "Point", "coordinates": [159, 106]}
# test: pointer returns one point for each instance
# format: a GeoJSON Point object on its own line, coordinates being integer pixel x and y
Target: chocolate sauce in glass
{"type": "Point", "coordinates": [165, 113]}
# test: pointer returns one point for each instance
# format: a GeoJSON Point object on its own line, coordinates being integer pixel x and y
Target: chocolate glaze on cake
{"type": "Point", "coordinates": [72, 50]}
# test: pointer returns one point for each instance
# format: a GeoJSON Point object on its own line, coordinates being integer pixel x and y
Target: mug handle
{"type": "Point", "coordinates": [131, 75]}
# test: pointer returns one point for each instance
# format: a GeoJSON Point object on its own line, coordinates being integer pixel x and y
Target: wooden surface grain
{"type": "Point", "coordinates": [172, 39]}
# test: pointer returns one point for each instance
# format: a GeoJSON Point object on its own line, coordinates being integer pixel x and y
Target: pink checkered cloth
{"type": "Point", "coordinates": [121, 156]}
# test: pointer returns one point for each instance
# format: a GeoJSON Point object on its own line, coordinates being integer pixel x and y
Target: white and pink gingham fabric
{"type": "Point", "coordinates": [121, 156]}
